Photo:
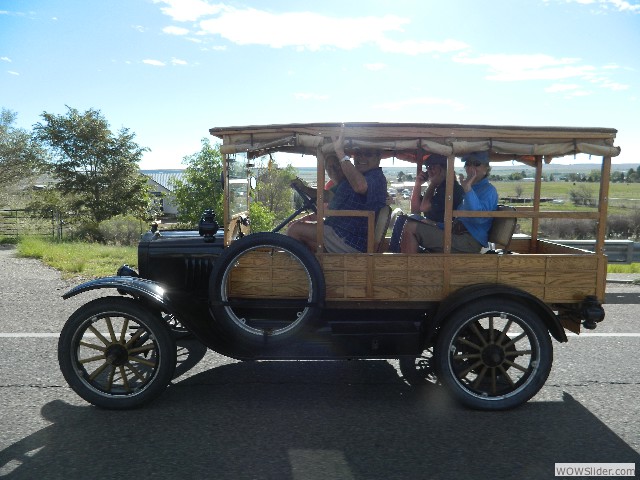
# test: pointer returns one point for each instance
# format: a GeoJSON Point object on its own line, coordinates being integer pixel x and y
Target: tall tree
{"type": "Point", "coordinates": [20, 154]}
{"type": "Point", "coordinates": [274, 189]}
{"type": "Point", "coordinates": [96, 167]}
{"type": "Point", "coordinates": [200, 187]}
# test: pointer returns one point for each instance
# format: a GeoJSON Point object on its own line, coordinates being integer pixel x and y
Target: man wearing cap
{"type": "Point", "coordinates": [469, 234]}
{"type": "Point", "coordinates": [364, 188]}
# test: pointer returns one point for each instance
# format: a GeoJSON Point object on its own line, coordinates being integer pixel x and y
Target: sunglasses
{"type": "Point", "coordinates": [472, 164]}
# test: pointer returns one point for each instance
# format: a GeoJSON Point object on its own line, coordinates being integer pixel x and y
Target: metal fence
{"type": "Point", "coordinates": [617, 251]}
{"type": "Point", "coordinates": [20, 222]}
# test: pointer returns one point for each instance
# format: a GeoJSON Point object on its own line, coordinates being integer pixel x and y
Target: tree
{"type": "Point", "coordinates": [274, 190]}
{"type": "Point", "coordinates": [582, 195]}
{"type": "Point", "coordinates": [262, 220]}
{"type": "Point", "coordinates": [20, 154]}
{"type": "Point", "coordinates": [200, 187]}
{"type": "Point", "coordinates": [519, 190]}
{"type": "Point", "coordinates": [594, 176]}
{"type": "Point", "coordinates": [98, 169]}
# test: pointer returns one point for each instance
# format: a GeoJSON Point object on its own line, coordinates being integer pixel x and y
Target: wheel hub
{"type": "Point", "coordinates": [493, 355]}
{"type": "Point", "coordinates": [117, 355]}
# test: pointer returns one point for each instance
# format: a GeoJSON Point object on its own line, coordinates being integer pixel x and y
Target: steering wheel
{"type": "Point", "coordinates": [308, 202]}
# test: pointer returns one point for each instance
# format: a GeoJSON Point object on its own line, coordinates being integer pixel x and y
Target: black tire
{"type": "Point", "coordinates": [116, 354]}
{"type": "Point", "coordinates": [270, 321]}
{"type": "Point", "coordinates": [494, 354]}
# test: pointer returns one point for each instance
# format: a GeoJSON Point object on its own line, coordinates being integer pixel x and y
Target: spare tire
{"type": "Point", "coordinates": [265, 289]}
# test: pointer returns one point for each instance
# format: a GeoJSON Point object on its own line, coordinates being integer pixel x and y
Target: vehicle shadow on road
{"type": "Point", "coordinates": [301, 420]}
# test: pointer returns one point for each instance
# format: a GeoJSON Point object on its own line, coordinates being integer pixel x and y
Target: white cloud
{"type": "Point", "coordinates": [188, 10]}
{"type": "Point", "coordinates": [155, 63]}
{"type": "Point", "coordinates": [177, 61]}
{"type": "Point", "coordinates": [605, 5]}
{"type": "Point", "coordinates": [623, 6]}
{"type": "Point", "coordinates": [175, 30]}
{"type": "Point", "coordinates": [5, 59]}
{"type": "Point", "coordinates": [509, 68]}
{"type": "Point", "coordinates": [561, 87]}
{"type": "Point", "coordinates": [11, 72]}
{"type": "Point", "coordinates": [139, 28]}
{"type": "Point", "coordinates": [514, 68]}
{"type": "Point", "coordinates": [614, 86]}
{"type": "Point", "coordinates": [299, 29]}
{"type": "Point", "coordinates": [400, 104]}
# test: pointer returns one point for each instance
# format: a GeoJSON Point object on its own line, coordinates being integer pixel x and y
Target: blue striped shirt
{"type": "Point", "coordinates": [353, 230]}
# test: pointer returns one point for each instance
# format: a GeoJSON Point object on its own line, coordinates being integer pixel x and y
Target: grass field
{"type": "Point", "coordinates": [77, 258]}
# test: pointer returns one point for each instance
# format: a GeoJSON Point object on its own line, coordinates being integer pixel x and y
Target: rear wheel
{"type": "Point", "coordinates": [116, 354]}
{"type": "Point", "coordinates": [265, 289]}
{"type": "Point", "coordinates": [494, 355]}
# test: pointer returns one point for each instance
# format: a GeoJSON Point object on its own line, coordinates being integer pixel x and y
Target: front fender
{"type": "Point", "coordinates": [137, 287]}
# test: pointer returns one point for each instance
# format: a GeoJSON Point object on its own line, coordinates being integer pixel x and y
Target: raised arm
{"type": "Point", "coordinates": [352, 175]}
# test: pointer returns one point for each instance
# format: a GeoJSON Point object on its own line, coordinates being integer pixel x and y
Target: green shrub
{"type": "Point", "coordinates": [8, 240]}
{"type": "Point", "coordinates": [86, 232]}
{"type": "Point", "coordinates": [121, 230]}
{"type": "Point", "coordinates": [262, 219]}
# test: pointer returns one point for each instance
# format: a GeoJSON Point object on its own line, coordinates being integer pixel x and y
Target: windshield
{"type": "Point", "coordinates": [238, 184]}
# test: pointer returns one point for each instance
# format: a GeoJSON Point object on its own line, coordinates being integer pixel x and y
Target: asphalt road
{"type": "Point", "coordinates": [304, 420]}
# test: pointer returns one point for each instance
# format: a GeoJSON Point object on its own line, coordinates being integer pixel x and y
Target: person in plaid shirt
{"type": "Point", "coordinates": [364, 188]}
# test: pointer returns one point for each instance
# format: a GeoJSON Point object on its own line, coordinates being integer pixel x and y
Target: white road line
{"type": "Point", "coordinates": [570, 334]}
{"type": "Point", "coordinates": [29, 335]}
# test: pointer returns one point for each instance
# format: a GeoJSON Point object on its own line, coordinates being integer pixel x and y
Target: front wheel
{"type": "Point", "coordinates": [116, 354]}
{"type": "Point", "coordinates": [494, 355]}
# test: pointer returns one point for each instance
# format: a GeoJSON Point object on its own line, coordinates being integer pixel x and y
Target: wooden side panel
{"type": "Point", "coordinates": [383, 277]}
{"type": "Point", "coordinates": [420, 278]}
{"type": "Point", "coordinates": [569, 278]}
{"type": "Point", "coordinates": [554, 278]}
{"type": "Point", "coordinates": [267, 273]}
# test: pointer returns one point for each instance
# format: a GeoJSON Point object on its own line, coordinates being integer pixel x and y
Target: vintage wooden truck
{"type": "Point", "coordinates": [480, 324]}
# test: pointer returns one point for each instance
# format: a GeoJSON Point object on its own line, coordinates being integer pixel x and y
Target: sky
{"type": "Point", "coordinates": [168, 70]}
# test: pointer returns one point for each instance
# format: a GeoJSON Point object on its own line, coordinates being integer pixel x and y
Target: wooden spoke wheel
{"type": "Point", "coordinates": [116, 354]}
{"type": "Point", "coordinates": [494, 355]}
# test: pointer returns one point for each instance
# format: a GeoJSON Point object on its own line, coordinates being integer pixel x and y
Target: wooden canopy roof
{"type": "Point", "coordinates": [409, 141]}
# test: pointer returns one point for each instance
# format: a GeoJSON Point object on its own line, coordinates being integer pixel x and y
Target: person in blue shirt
{"type": "Point", "coordinates": [364, 188]}
{"type": "Point", "coordinates": [469, 234]}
